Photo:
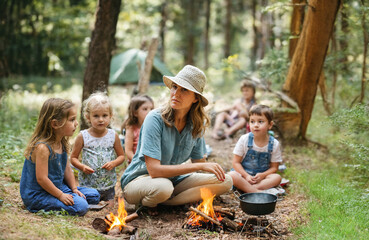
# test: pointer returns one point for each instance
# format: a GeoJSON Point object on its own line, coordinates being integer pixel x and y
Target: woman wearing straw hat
{"type": "Point", "coordinates": [169, 137]}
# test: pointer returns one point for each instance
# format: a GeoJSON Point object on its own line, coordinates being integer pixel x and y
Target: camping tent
{"type": "Point", "coordinates": [124, 68]}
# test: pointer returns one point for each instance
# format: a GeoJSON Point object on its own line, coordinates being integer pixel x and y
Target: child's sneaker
{"type": "Point", "coordinates": [275, 191]}
{"type": "Point", "coordinates": [284, 182]}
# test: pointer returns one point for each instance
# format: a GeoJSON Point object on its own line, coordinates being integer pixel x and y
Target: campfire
{"type": "Point", "coordinates": [116, 224]}
{"type": "Point", "coordinates": [203, 216]}
{"type": "Point", "coordinates": [216, 218]}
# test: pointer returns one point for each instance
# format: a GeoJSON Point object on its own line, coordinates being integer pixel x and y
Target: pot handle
{"type": "Point", "coordinates": [236, 193]}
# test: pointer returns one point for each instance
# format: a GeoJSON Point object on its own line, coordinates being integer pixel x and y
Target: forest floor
{"type": "Point", "coordinates": [168, 224]}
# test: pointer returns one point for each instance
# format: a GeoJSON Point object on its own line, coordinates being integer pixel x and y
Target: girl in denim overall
{"type": "Point", "coordinates": [47, 181]}
{"type": "Point", "coordinates": [257, 155]}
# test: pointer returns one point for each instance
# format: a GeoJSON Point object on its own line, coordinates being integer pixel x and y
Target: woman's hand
{"type": "Point", "coordinates": [67, 199]}
{"type": "Point", "coordinates": [214, 168]}
{"type": "Point", "coordinates": [87, 170]}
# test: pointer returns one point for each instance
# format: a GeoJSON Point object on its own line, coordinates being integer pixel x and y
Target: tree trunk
{"type": "Point", "coordinates": [255, 37]}
{"type": "Point", "coordinates": [334, 75]}
{"type": "Point", "coordinates": [191, 16]}
{"type": "Point", "coordinates": [206, 35]}
{"type": "Point", "coordinates": [323, 93]}
{"type": "Point", "coordinates": [297, 20]}
{"type": "Point", "coordinates": [343, 41]}
{"type": "Point", "coordinates": [145, 73]}
{"type": "Point", "coordinates": [102, 43]}
{"type": "Point", "coordinates": [307, 62]}
{"type": "Point", "coordinates": [227, 29]}
{"type": "Point", "coordinates": [365, 51]}
{"type": "Point", "coordinates": [162, 30]}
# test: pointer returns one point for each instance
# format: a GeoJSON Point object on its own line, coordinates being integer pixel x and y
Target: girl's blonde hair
{"type": "Point", "coordinates": [94, 101]}
{"type": "Point", "coordinates": [52, 109]}
{"type": "Point", "coordinates": [134, 105]}
{"type": "Point", "coordinates": [197, 115]}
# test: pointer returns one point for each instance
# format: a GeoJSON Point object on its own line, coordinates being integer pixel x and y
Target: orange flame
{"type": "Point", "coordinates": [120, 220]}
{"type": "Point", "coordinates": [206, 207]}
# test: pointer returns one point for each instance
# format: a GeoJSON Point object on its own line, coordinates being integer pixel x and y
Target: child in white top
{"type": "Point", "coordinates": [138, 108]}
{"type": "Point", "coordinates": [100, 146]}
{"type": "Point", "coordinates": [257, 155]}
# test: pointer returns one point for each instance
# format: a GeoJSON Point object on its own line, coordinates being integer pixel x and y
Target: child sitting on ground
{"type": "Point", "coordinates": [100, 146]}
{"type": "Point", "coordinates": [257, 155]}
{"type": "Point", "coordinates": [237, 116]}
{"type": "Point", "coordinates": [138, 108]}
{"type": "Point", "coordinates": [47, 181]}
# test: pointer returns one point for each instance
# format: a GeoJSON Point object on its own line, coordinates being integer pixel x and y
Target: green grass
{"type": "Point", "coordinates": [336, 209]}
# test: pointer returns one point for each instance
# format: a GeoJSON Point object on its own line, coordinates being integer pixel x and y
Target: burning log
{"type": "Point", "coordinates": [205, 216]}
{"type": "Point", "coordinates": [225, 211]}
{"type": "Point", "coordinates": [131, 217]}
{"type": "Point", "coordinates": [100, 225]}
{"type": "Point", "coordinates": [230, 224]}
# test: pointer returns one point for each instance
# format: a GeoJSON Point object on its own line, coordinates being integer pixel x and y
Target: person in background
{"type": "Point", "coordinates": [47, 181]}
{"type": "Point", "coordinates": [236, 117]}
{"type": "Point", "coordinates": [138, 108]}
{"type": "Point", "coordinates": [169, 137]}
{"type": "Point", "coordinates": [257, 155]}
{"type": "Point", "coordinates": [101, 149]}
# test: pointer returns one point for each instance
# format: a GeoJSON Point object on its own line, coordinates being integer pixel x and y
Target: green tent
{"type": "Point", "coordinates": [124, 68]}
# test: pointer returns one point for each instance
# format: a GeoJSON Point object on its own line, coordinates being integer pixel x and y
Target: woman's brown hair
{"type": "Point", "coordinates": [197, 115]}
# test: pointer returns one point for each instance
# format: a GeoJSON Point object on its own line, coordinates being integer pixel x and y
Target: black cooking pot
{"type": "Point", "coordinates": [258, 203]}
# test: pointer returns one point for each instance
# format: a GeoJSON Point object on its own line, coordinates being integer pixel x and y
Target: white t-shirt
{"type": "Point", "coordinates": [241, 148]}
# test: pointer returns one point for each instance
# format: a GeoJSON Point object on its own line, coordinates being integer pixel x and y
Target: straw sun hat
{"type": "Point", "coordinates": [191, 78]}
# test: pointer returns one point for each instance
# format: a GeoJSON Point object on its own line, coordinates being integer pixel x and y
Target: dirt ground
{"type": "Point", "coordinates": [168, 225]}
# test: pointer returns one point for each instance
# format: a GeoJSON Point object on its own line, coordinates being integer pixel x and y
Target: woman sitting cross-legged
{"type": "Point", "coordinates": [169, 137]}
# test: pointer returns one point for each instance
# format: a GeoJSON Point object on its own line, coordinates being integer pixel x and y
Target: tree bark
{"type": "Point", "coordinates": [145, 73]}
{"type": "Point", "coordinates": [102, 43]}
{"type": "Point", "coordinates": [227, 29]}
{"type": "Point", "coordinates": [191, 14]}
{"type": "Point", "coordinates": [255, 47]}
{"type": "Point", "coordinates": [206, 35]}
{"type": "Point", "coordinates": [297, 19]}
{"type": "Point", "coordinates": [162, 30]}
{"type": "Point", "coordinates": [307, 62]}
{"type": "Point", "coordinates": [365, 51]}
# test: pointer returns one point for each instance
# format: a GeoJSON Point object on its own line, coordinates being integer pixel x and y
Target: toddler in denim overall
{"type": "Point", "coordinates": [256, 162]}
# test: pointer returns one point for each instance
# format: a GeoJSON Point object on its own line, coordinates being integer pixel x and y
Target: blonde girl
{"type": "Point", "coordinates": [100, 146]}
{"type": "Point", "coordinates": [138, 108]}
{"type": "Point", "coordinates": [47, 181]}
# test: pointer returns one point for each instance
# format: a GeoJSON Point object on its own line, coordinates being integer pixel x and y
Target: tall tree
{"type": "Point", "coordinates": [163, 23]}
{"type": "Point", "coordinates": [307, 62]}
{"type": "Point", "coordinates": [297, 20]}
{"type": "Point", "coordinates": [227, 29]}
{"type": "Point", "coordinates": [206, 34]}
{"type": "Point", "coordinates": [102, 43]}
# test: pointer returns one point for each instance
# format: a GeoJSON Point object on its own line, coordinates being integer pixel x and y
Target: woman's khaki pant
{"type": "Point", "coordinates": [150, 191]}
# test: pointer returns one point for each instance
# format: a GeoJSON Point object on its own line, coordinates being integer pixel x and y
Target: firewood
{"type": "Point", "coordinates": [230, 224]}
{"type": "Point", "coordinates": [131, 217]}
{"type": "Point", "coordinates": [205, 216]}
{"type": "Point", "coordinates": [225, 211]}
{"type": "Point", "coordinates": [128, 229]}
{"type": "Point", "coordinates": [114, 231]}
{"type": "Point", "coordinates": [100, 225]}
